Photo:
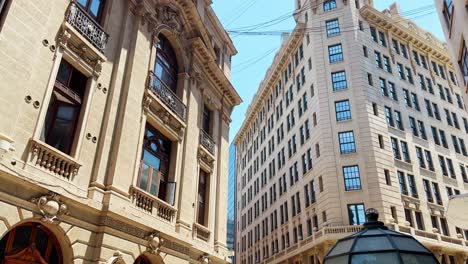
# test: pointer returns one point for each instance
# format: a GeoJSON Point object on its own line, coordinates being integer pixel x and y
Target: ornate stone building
{"type": "Point", "coordinates": [453, 16]}
{"type": "Point", "coordinates": [359, 109]}
{"type": "Point", "coordinates": [114, 124]}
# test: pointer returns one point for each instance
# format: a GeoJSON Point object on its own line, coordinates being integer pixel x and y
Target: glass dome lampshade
{"type": "Point", "coordinates": [376, 244]}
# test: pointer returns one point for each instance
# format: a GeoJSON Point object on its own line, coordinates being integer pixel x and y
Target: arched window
{"type": "Point", "coordinates": [142, 260]}
{"type": "Point", "coordinates": [30, 243]}
{"type": "Point", "coordinates": [166, 68]}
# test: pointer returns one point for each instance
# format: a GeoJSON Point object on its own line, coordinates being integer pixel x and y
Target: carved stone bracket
{"type": "Point", "coordinates": [205, 158]}
{"type": "Point", "coordinates": [50, 207]}
{"type": "Point", "coordinates": [205, 259]}
{"type": "Point", "coordinates": [155, 243]}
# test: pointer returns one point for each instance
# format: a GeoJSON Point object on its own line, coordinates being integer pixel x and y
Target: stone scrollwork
{"type": "Point", "coordinates": [205, 158]}
{"type": "Point", "coordinates": [117, 258]}
{"type": "Point", "coordinates": [50, 207]}
{"type": "Point", "coordinates": [163, 15]}
{"type": "Point", "coordinates": [205, 259]}
{"type": "Point", "coordinates": [155, 243]}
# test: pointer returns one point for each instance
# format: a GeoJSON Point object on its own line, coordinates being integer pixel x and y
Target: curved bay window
{"type": "Point", "coordinates": [94, 8]}
{"type": "Point", "coordinates": [166, 68]}
{"type": "Point", "coordinates": [64, 108]}
{"type": "Point", "coordinates": [30, 243]}
{"type": "Point", "coordinates": [155, 164]}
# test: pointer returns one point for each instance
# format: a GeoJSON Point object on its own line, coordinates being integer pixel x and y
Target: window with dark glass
{"type": "Point", "coordinates": [356, 214]}
{"type": "Point", "coordinates": [335, 53]}
{"type": "Point", "coordinates": [409, 217]}
{"type": "Point", "coordinates": [427, 190]}
{"type": "Point", "coordinates": [374, 34]}
{"type": "Point", "coordinates": [64, 108]}
{"type": "Point", "coordinates": [206, 119]}
{"type": "Point", "coordinates": [4, 5]}
{"type": "Point", "coordinates": [154, 171]}
{"type": "Point", "coordinates": [395, 46]}
{"type": "Point", "coordinates": [387, 65]}
{"type": "Point", "coordinates": [400, 71]}
{"type": "Point", "coordinates": [398, 120]}
{"type": "Point", "coordinates": [436, 192]}
{"type": "Point", "coordinates": [333, 27]}
{"type": "Point", "coordinates": [405, 151]}
{"type": "Point", "coordinates": [378, 59]}
{"type": "Point", "coordinates": [409, 75]}
{"type": "Point", "coordinates": [389, 116]}
{"type": "Point", "coordinates": [419, 220]}
{"type": "Point", "coordinates": [412, 186]}
{"type": "Point", "coordinates": [94, 8]}
{"type": "Point", "coordinates": [419, 155]}
{"type": "Point", "coordinates": [416, 57]}
{"type": "Point", "coordinates": [339, 81]}
{"type": "Point", "coordinates": [352, 178]}
{"type": "Point", "coordinates": [403, 50]}
{"type": "Point", "coordinates": [395, 148]}
{"type": "Point", "coordinates": [383, 42]}
{"type": "Point", "coordinates": [202, 198]}
{"type": "Point", "coordinates": [166, 68]}
{"type": "Point", "coordinates": [412, 124]}
{"type": "Point", "coordinates": [407, 98]}
{"type": "Point", "coordinates": [414, 100]}
{"type": "Point", "coordinates": [422, 130]}
{"type": "Point", "coordinates": [402, 181]}
{"type": "Point", "coordinates": [383, 87]}
{"type": "Point", "coordinates": [347, 144]}
{"type": "Point", "coordinates": [392, 91]}
{"type": "Point", "coordinates": [343, 110]}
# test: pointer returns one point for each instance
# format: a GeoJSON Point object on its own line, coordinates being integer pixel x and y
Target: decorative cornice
{"type": "Point", "coordinates": [271, 78]}
{"type": "Point", "coordinates": [407, 30]}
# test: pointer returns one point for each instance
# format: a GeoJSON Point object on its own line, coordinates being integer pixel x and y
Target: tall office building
{"type": "Point", "coordinates": [360, 109]}
{"type": "Point", "coordinates": [453, 16]}
{"type": "Point", "coordinates": [231, 220]}
{"type": "Point", "coordinates": [114, 126]}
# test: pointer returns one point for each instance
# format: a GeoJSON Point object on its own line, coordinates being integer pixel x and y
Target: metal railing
{"type": "Point", "coordinates": [206, 141]}
{"type": "Point", "coordinates": [87, 26]}
{"type": "Point", "coordinates": [166, 95]}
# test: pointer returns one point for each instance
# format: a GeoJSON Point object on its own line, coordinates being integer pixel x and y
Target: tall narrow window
{"type": "Point", "coordinates": [206, 119]}
{"type": "Point", "coordinates": [3, 10]}
{"type": "Point", "coordinates": [463, 62]}
{"type": "Point", "coordinates": [64, 108]}
{"type": "Point", "coordinates": [202, 198]}
{"type": "Point", "coordinates": [154, 171]}
{"type": "Point", "coordinates": [166, 68]}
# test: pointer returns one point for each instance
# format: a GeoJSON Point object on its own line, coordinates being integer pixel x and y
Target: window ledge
{"type": "Point", "coordinates": [201, 232]}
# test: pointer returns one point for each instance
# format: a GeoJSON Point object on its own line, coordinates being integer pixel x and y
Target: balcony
{"type": "Point", "coordinates": [166, 96]}
{"type": "Point", "coordinates": [201, 232]}
{"type": "Point", "coordinates": [87, 26]}
{"type": "Point", "coordinates": [207, 142]}
{"type": "Point", "coordinates": [53, 160]}
{"type": "Point", "coordinates": [152, 205]}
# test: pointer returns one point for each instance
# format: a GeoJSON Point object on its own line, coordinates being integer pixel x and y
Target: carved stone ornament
{"type": "Point", "coordinates": [164, 15]}
{"type": "Point", "coordinates": [50, 207]}
{"type": "Point", "coordinates": [154, 243]}
{"type": "Point", "coordinates": [205, 259]}
{"type": "Point", "coordinates": [117, 258]}
{"type": "Point", "coordinates": [63, 38]}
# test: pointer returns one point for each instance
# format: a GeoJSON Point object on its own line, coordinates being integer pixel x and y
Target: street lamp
{"type": "Point", "coordinates": [377, 244]}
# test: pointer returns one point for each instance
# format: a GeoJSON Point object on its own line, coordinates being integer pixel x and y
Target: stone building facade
{"type": "Point", "coordinates": [114, 124]}
{"type": "Point", "coordinates": [359, 109]}
{"type": "Point", "coordinates": [454, 17]}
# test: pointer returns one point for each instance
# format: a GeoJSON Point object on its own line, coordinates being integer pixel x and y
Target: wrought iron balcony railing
{"type": "Point", "coordinates": [87, 26]}
{"type": "Point", "coordinates": [166, 95]}
{"type": "Point", "coordinates": [206, 141]}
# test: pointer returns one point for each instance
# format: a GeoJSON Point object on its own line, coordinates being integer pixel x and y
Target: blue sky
{"type": "Point", "coordinates": [255, 53]}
